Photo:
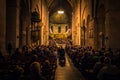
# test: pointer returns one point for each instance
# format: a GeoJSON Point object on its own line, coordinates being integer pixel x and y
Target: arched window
{"type": "Point", "coordinates": [52, 28]}
{"type": "Point", "coordinates": [59, 29]}
{"type": "Point", "coordinates": [66, 28]}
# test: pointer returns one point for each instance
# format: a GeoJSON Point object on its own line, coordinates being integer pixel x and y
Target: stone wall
{"type": "Point", "coordinates": [112, 23]}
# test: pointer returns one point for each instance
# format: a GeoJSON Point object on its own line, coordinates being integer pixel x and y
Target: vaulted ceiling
{"type": "Point", "coordinates": [67, 5]}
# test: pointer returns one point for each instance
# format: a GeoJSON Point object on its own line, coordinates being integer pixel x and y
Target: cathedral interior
{"type": "Point", "coordinates": [77, 23]}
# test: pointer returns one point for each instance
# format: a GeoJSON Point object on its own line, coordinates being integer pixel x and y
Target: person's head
{"type": "Point", "coordinates": [107, 60]}
{"type": "Point", "coordinates": [34, 58]}
{"type": "Point", "coordinates": [18, 71]}
{"type": "Point", "coordinates": [35, 68]}
{"type": "Point", "coordinates": [101, 59]}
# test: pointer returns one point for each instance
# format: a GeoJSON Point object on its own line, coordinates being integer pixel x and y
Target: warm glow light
{"type": "Point", "coordinates": [60, 12]}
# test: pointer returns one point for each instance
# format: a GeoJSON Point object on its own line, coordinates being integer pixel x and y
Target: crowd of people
{"type": "Point", "coordinates": [40, 62]}
{"type": "Point", "coordinates": [103, 64]}
{"type": "Point", "coordinates": [30, 63]}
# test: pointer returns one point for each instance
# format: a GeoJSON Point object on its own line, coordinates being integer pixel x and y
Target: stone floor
{"type": "Point", "coordinates": [68, 72]}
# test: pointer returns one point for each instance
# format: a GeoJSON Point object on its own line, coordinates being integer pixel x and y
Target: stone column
{"type": "Point", "coordinates": [2, 25]}
{"type": "Point", "coordinates": [12, 23]}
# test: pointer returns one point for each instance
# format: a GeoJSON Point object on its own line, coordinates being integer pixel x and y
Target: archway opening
{"type": "Point", "coordinates": [60, 19]}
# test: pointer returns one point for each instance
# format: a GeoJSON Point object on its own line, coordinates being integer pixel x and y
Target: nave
{"type": "Point", "coordinates": [68, 72]}
{"type": "Point", "coordinates": [25, 64]}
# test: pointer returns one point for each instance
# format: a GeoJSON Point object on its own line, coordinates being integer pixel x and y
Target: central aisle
{"type": "Point", "coordinates": [68, 72]}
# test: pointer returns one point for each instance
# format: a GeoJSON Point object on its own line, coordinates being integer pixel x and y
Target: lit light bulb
{"type": "Point", "coordinates": [60, 12]}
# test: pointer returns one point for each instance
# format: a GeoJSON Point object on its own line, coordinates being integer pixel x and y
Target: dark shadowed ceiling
{"type": "Point", "coordinates": [66, 5]}
{"type": "Point", "coordinates": [54, 5]}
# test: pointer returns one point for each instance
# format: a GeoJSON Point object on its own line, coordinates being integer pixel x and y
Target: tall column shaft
{"type": "Point", "coordinates": [2, 25]}
{"type": "Point", "coordinates": [12, 23]}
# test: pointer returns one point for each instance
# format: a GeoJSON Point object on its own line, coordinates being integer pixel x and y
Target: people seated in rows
{"type": "Point", "coordinates": [108, 71]}
{"type": "Point", "coordinates": [47, 57]}
{"type": "Point", "coordinates": [46, 69]}
{"type": "Point", "coordinates": [33, 62]}
{"type": "Point", "coordinates": [92, 61]}
{"type": "Point", "coordinates": [98, 65]}
{"type": "Point", "coordinates": [35, 69]}
{"type": "Point", "coordinates": [18, 73]}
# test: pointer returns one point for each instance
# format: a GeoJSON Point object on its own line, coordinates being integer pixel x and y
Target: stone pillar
{"type": "Point", "coordinates": [2, 25]}
{"type": "Point", "coordinates": [12, 23]}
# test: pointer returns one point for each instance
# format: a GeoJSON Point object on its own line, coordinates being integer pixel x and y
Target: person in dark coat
{"type": "Point", "coordinates": [35, 69]}
{"type": "Point", "coordinates": [108, 71]}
